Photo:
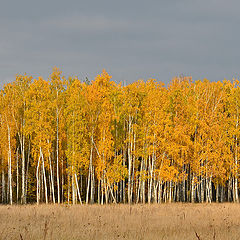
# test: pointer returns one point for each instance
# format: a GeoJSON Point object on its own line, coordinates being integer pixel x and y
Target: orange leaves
{"type": "Point", "coordinates": [38, 111]}
{"type": "Point", "coordinates": [103, 80]}
{"type": "Point", "coordinates": [116, 171]}
{"type": "Point", "coordinates": [143, 131]}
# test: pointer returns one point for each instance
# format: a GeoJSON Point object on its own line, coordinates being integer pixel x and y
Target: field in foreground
{"type": "Point", "coordinates": [164, 221]}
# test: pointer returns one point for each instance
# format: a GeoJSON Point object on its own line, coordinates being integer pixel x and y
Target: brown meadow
{"type": "Point", "coordinates": [164, 221]}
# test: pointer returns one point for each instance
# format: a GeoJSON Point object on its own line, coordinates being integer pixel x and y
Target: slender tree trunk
{"type": "Point", "coordinates": [89, 173]}
{"type": "Point", "coordinates": [79, 195]}
{"type": "Point", "coordinates": [3, 185]}
{"type": "Point", "coordinates": [210, 188]}
{"type": "Point", "coordinates": [9, 166]}
{"type": "Point", "coordinates": [44, 178]}
{"type": "Point", "coordinates": [236, 189]}
{"type": "Point", "coordinates": [62, 183]}
{"type": "Point", "coordinates": [52, 179]}
{"type": "Point", "coordinates": [99, 191]}
{"type": "Point", "coordinates": [229, 187]}
{"type": "Point", "coordinates": [217, 192]}
{"type": "Point", "coordinates": [57, 153]}
{"type": "Point", "coordinates": [192, 189]}
{"type": "Point", "coordinates": [92, 185]}
{"type": "Point", "coordinates": [73, 187]}
{"type": "Point", "coordinates": [129, 162]}
{"type": "Point", "coordinates": [160, 192]}
{"type": "Point", "coordinates": [88, 186]}
{"type": "Point", "coordinates": [26, 178]}
{"type": "Point", "coordinates": [17, 177]}
{"type": "Point", "coordinates": [133, 167]}
{"type": "Point", "coordinates": [23, 198]}
{"type": "Point", "coordinates": [68, 187]}
{"type": "Point", "coordinates": [102, 188]}
{"type": "Point", "coordinates": [37, 177]}
{"type": "Point", "coordinates": [123, 181]}
{"type": "Point", "coordinates": [184, 187]}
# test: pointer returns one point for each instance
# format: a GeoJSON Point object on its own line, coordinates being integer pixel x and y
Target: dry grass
{"type": "Point", "coordinates": [165, 221]}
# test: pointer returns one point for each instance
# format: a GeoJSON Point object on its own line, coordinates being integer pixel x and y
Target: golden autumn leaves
{"type": "Point", "coordinates": [67, 140]}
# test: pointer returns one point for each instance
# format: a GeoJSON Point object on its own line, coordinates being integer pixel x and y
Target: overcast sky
{"type": "Point", "coordinates": [131, 39]}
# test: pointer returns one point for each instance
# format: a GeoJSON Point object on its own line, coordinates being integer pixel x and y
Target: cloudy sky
{"type": "Point", "coordinates": [131, 39]}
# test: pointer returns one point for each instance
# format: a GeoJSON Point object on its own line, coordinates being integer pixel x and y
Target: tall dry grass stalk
{"type": "Point", "coordinates": [164, 221]}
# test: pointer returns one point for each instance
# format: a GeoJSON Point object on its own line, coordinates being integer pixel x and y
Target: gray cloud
{"type": "Point", "coordinates": [131, 39]}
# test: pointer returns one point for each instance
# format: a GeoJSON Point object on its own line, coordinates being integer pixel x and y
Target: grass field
{"type": "Point", "coordinates": [165, 221]}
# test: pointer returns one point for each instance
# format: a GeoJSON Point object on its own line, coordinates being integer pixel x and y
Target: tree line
{"type": "Point", "coordinates": [64, 140]}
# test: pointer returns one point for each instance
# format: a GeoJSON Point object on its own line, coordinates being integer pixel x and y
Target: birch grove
{"type": "Point", "coordinates": [64, 140]}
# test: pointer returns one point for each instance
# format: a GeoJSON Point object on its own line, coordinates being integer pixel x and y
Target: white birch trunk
{"type": "Point", "coordinates": [9, 166]}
